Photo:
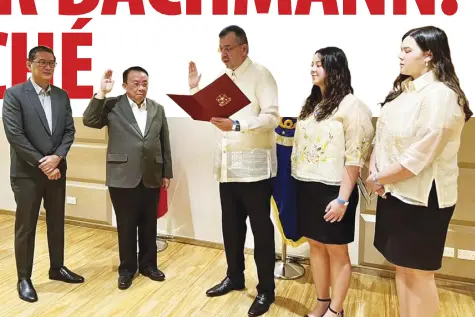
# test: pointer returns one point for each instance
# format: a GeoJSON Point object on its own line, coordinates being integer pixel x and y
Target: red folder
{"type": "Point", "coordinates": [162, 206]}
{"type": "Point", "coordinates": [220, 99]}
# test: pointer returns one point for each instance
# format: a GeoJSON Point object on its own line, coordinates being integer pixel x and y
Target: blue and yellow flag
{"type": "Point", "coordinates": [284, 194]}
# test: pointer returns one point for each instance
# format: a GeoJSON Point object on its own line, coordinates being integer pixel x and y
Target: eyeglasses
{"type": "Point", "coordinates": [227, 49]}
{"type": "Point", "coordinates": [136, 85]}
{"type": "Point", "coordinates": [43, 63]}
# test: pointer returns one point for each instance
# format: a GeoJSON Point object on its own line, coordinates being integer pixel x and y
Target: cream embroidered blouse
{"type": "Point", "coordinates": [421, 130]}
{"type": "Point", "coordinates": [322, 149]}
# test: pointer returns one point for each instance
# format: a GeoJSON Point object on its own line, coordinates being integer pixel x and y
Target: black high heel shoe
{"type": "Point", "coordinates": [340, 314]}
{"type": "Point", "coordinates": [328, 300]}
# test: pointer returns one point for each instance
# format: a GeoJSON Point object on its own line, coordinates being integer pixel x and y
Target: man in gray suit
{"type": "Point", "coordinates": [138, 164]}
{"type": "Point", "coordinates": [39, 126]}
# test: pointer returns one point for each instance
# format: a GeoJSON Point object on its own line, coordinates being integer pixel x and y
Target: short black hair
{"type": "Point", "coordinates": [238, 31]}
{"type": "Point", "coordinates": [130, 69]}
{"type": "Point", "coordinates": [37, 49]}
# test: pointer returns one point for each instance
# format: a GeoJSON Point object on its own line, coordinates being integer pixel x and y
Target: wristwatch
{"type": "Point", "coordinates": [236, 126]}
{"type": "Point", "coordinates": [342, 201]}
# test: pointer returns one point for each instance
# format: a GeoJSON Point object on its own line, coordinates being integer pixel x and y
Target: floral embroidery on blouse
{"type": "Point", "coordinates": [322, 148]}
{"type": "Point", "coordinates": [392, 145]}
{"type": "Point", "coordinates": [361, 151]}
{"type": "Point", "coordinates": [313, 152]}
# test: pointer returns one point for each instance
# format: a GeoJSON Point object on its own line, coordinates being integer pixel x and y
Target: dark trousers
{"type": "Point", "coordinates": [136, 209]}
{"type": "Point", "coordinates": [28, 194]}
{"type": "Point", "coordinates": [238, 201]}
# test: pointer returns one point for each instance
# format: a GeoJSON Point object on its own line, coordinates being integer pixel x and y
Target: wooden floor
{"type": "Point", "coordinates": [190, 270]}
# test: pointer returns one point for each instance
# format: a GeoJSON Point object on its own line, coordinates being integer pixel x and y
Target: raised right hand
{"type": "Point", "coordinates": [193, 77]}
{"type": "Point", "coordinates": [107, 82]}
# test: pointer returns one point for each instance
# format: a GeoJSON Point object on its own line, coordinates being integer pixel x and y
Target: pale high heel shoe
{"type": "Point", "coordinates": [340, 314]}
{"type": "Point", "coordinates": [322, 300]}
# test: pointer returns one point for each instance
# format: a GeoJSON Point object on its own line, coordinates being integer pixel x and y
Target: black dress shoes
{"type": "Point", "coordinates": [125, 281]}
{"type": "Point", "coordinates": [261, 304]}
{"type": "Point", "coordinates": [63, 274]}
{"type": "Point", "coordinates": [153, 273]}
{"type": "Point", "coordinates": [226, 286]}
{"type": "Point", "coordinates": [26, 291]}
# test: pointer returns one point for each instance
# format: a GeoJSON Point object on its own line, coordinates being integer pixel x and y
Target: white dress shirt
{"type": "Point", "coordinates": [140, 114]}
{"type": "Point", "coordinates": [421, 130]}
{"type": "Point", "coordinates": [249, 155]}
{"type": "Point", "coordinates": [322, 149]}
{"type": "Point", "coordinates": [45, 99]}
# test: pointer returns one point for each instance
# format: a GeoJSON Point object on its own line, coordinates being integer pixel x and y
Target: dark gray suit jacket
{"type": "Point", "coordinates": [131, 156]}
{"type": "Point", "coordinates": [27, 130]}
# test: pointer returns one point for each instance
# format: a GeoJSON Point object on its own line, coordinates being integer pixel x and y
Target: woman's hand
{"type": "Point", "coordinates": [334, 211]}
{"type": "Point", "coordinates": [373, 187]}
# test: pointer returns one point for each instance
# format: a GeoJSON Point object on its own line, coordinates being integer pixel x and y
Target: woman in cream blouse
{"type": "Point", "coordinates": [331, 143]}
{"type": "Point", "coordinates": [414, 166]}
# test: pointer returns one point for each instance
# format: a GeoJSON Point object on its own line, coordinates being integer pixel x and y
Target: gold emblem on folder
{"type": "Point", "coordinates": [223, 100]}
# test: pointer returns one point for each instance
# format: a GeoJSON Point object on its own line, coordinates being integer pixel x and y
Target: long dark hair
{"type": "Point", "coordinates": [433, 39]}
{"type": "Point", "coordinates": [337, 84]}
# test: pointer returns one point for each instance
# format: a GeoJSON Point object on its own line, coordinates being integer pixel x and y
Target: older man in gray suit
{"type": "Point", "coordinates": [39, 126]}
{"type": "Point", "coordinates": [138, 164]}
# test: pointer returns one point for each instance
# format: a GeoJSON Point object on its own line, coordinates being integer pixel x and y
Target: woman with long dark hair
{"type": "Point", "coordinates": [331, 143]}
{"type": "Point", "coordinates": [414, 169]}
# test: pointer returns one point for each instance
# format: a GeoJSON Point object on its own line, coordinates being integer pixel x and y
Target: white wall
{"type": "Point", "coordinates": [7, 202]}
{"type": "Point", "coordinates": [285, 44]}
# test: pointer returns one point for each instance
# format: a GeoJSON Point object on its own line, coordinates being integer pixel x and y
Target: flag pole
{"type": "Point", "coordinates": [286, 269]}
{"type": "Point", "coordinates": [161, 244]}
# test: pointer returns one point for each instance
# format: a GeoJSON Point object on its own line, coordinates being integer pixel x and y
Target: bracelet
{"type": "Point", "coordinates": [375, 179]}
{"type": "Point", "coordinates": [342, 201]}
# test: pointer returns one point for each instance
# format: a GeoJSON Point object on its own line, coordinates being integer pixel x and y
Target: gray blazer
{"type": "Point", "coordinates": [27, 130]}
{"type": "Point", "coordinates": [131, 156]}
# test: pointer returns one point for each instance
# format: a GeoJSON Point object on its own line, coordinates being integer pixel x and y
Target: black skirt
{"type": "Point", "coordinates": [312, 200]}
{"type": "Point", "coordinates": [412, 236]}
